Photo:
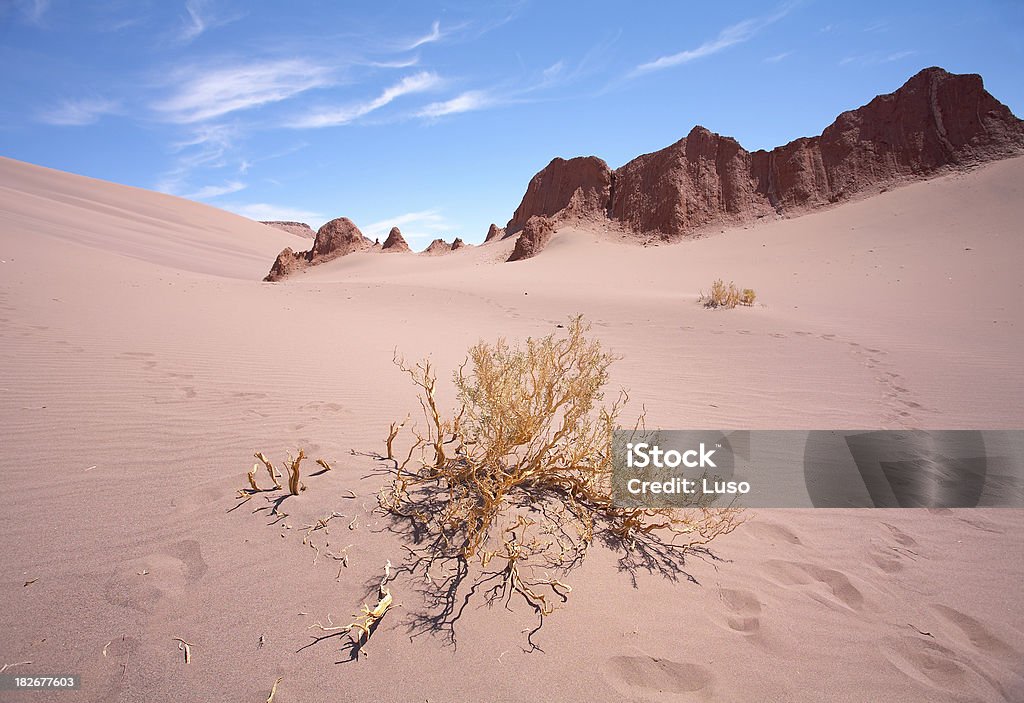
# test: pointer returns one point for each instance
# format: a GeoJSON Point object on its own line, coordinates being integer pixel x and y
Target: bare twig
{"type": "Point", "coordinates": [5, 667]}
{"type": "Point", "coordinates": [186, 647]}
{"type": "Point", "coordinates": [293, 474]}
{"type": "Point", "coordinates": [273, 689]}
{"type": "Point", "coordinates": [270, 469]}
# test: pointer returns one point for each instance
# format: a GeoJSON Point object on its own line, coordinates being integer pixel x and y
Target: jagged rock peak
{"type": "Point", "coordinates": [395, 241]}
{"type": "Point", "coordinates": [494, 232]}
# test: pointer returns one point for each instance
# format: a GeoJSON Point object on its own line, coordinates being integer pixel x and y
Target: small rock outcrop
{"type": "Point", "coordinates": [287, 263]}
{"type": "Point", "coordinates": [936, 121]}
{"type": "Point", "coordinates": [298, 228]}
{"type": "Point", "coordinates": [338, 237]}
{"type": "Point", "coordinates": [438, 246]}
{"type": "Point", "coordinates": [533, 238]}
{"type": "Point", "coordinates": [395, 242]}
{"type": "Point", "coordinates": [494, 232]}
{"type": "Point", "coordinates": [458, 244]}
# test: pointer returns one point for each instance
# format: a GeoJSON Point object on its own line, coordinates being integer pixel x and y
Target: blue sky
{"type": "Point", "coordinates": [434, 115]}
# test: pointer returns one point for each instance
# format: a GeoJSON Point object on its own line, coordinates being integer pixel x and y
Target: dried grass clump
{"type": "Point", "coordinates": [727, 295]}
{"type": "Point", "coordinates": [522, 471]}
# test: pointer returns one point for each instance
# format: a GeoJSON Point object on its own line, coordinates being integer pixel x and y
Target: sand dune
{"type": "Point", "coordinates": [153, 227]}
{"type": "Point", "coordinates": [143, 361]}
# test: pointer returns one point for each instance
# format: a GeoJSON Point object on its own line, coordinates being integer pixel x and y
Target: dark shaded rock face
{"type": "Point", "coordinates": [494, 232]}
{"type": "Point", "coordinates": [579, 187]}
{"type": "Point", "coordinates": [395, 241]}
{"type": "Point", "coordinates": [458, 244]}
{"type": "Point", "coordinates": [701, 179]}
{"type": "Point", "coordinates": [299, 228]}
{"type": "Point", "coordinates": [336, 238]}
{"type": "Point", "coordinates": [935, 121]}
{"type": "Point", "coordinates": [533, 238]}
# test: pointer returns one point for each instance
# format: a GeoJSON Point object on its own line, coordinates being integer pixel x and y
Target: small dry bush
{"type": "Point", "coordinates": [727, 295]}
{"type": "Point", "coordinates": [520, 474]}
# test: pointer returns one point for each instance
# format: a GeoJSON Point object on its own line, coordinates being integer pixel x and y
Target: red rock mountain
{"type": "Point", "coordinates": [936, 121]}
{"type": "Point", "coordinates": [336, 238]}
{"type": "Point", "coordinates": [395, 241]}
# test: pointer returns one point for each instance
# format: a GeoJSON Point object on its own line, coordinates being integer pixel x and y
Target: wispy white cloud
{"type": "Point", "coordinates": [204, 94]}
{"type": "Point", "coordinates": [77, 112]}
{"type": "Point", "coordinates": [267, 211]}
{"type": "Point", "coordinates": [532, 88]}
{"type": "Point", "coordinates": [397, 63]}
{"type": "Point", "coordinates": [206, 148]}
{"type": "Point", "coordinates": [875, 58]}
{"type": "Point", "coordinates": [423, 225]}
{"type": "Point", "coordinates": [209, 192]}
{"type": "Point", "coordinates": [466, 102]}
{"type": "Point", "coordinates": [730, 36]}
{"type": "Point", "coordinates": [200, 18]}
{"type": "Point", "coordinates": [778, 57]}
{"type": "Point", "coordinates": [333, 117]}
{"type": "Point", "coordinates": [433, 36]}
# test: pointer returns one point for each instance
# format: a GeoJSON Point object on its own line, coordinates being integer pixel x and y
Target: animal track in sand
{"type": "Point", "coordinates": [840, 591]}
{"type": "Point", "coordinates": [644, 675]}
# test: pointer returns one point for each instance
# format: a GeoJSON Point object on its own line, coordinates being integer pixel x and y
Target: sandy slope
{"type": "Point", "coordinates": [143, 362]}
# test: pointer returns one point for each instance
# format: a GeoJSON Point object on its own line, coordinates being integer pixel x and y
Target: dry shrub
{"type": "Point", "coordinates": [522, 471]}
{"type": "Point", "coordinates": [727, 295]}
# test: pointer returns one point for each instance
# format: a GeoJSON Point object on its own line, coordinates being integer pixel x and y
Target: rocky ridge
{"type": "Point", "coordinates": [936, 121]}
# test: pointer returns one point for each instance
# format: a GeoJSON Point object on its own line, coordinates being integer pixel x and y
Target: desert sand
{"type": "Point", "coordinates": [144, 361]}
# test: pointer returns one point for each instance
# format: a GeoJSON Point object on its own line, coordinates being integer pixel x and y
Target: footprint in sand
{"type": "Point", "coordinates": [938, 667]}
{"type": "Point", "coordinates": [901, 537]}
{"type": "Point", "coordinates": [743, 610]}
{"type": "Point", "coordinates": [980, 637]}
{"type": "Point", "coordinates": [980, 524]}
{"type": "Point", "coordinates": [655, 679]}
{"type": "Point", "coordinates": [771, 532]}
{"type": "Point", "coordinates": [886, 560]}
{"type": "Point", "coordinates": [147, 583]}
{"type": "Point", "coordinates": [839, 592]}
